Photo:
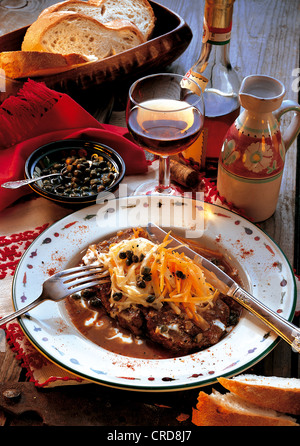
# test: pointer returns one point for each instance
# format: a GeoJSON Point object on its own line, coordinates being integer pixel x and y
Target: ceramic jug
{"type": "Point", "coordinates": [252, 156]}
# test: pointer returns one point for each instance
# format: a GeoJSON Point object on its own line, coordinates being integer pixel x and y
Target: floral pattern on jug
{"type": "Point", "coordinates": [253, 153]}
{"type": "Point", "coordinates": [248, 154]}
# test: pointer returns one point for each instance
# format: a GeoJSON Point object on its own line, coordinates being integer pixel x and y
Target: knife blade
{"type": "Point", "coordinates": [226, 285]}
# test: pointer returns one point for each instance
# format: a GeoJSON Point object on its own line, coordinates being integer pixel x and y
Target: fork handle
{"type": "Point", "coordinates": [23, 310]}
{"type": "Point", "coordinates": [288, 331]}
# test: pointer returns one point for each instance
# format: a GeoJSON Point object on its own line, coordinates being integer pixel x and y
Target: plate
{"type": "Point", "coordinates": [262, 267]}
{"type": "Point", "coordinates": [170, 39]}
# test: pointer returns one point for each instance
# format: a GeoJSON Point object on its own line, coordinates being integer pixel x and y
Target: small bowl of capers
{"type": "Point", "coordinates": [84, 170]}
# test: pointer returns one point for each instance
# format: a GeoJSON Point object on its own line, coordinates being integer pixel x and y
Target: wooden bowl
{"type": "Point", "coordinates": [170, 38]}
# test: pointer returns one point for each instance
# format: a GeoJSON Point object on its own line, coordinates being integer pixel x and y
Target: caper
{"type": "Point", "coordinates": [180, 275]}
{"type": "Point", "coordinates": [95, 302]}
{"type": "Point", "coordinates": [150, 298]}
{"type": "Point", "coordinates": [88, 292]}
{"type": "Point", "coordinates": [93, 173]}
{"type": "Point", "coordinates": [117, 296]}
{"type": "Point", "coordinates": [146, 270]}
{"type": "Point", "coordinates": [141, 283]}
{"type": "Point", "coordinates": [122, 255]}
{"type": "Point", "coordinates": [95, 181]}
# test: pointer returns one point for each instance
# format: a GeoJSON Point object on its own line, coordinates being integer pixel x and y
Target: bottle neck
{"type": "Point", "coordinates": [212, 52]}
{"type": "Point", "coordinates": [217, 24]}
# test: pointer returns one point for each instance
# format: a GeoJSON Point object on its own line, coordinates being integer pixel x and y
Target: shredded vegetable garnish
{"type": "Point", "coordinates": [147, 274]}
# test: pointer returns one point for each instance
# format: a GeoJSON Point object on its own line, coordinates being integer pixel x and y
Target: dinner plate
{"type": "Point", "coordinates": [262, 267]}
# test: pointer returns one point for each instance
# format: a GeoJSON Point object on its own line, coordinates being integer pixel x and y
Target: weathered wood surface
{"type": "Point", "coordinates": [265, 40]}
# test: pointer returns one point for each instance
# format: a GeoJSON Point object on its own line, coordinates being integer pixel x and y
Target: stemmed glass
{"type": "Point", "coordinates": [165, 114]}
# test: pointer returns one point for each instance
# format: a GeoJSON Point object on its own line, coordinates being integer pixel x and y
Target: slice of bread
{"type": "Point", "coordinates": [230, 410]}
{"type": "Point", "coordinates": [21, 64]}
{"type": "Point", "coordinates": [63, 32]}
{"type": "Point", "coordinates": [281, 394]}
{"type": "Point", "coordinates": [139, 12]}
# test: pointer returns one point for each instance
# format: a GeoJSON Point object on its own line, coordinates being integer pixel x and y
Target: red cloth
{"type": "Point", "coordinates": [39, 115]}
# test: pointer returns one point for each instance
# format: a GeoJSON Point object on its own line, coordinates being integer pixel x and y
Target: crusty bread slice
{"type": "Point", "coordinates": [281, 394]}
{"type": "Point", "coordinates": [21, 64]}
{"type": "Point", "coordinates": [63, 32]}
{"type": "Point", "coordinates": [139, 12]}
{"type": "Point", "coordinates": [230, 410]}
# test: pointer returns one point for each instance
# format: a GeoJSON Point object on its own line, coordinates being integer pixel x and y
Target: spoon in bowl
{"type": "Point", "coordinates": [20, 183]}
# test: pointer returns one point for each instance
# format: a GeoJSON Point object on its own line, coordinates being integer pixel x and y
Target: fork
{"type": "Point", "coordinates": [63, 284]}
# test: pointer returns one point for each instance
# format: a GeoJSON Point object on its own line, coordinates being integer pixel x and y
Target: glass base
{"type": "Point", "coordinates": [152, 188]}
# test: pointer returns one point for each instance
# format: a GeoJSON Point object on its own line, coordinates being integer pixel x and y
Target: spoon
{"type": "Point", "coordinates": [20, 183]}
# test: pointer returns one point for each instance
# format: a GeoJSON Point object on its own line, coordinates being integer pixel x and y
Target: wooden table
{"type": "Point", "coordinates": [265, 40]}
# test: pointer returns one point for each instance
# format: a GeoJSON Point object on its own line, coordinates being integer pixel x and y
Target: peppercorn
{"type": "Point", "coordinates": [129, 254]}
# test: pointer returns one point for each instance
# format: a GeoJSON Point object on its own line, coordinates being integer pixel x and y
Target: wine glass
{"type": "Point", "coordinates": [165, 115]}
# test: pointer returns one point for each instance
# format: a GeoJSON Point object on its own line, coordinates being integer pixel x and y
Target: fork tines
{"type": "Point", "coordinates": [83, 276]}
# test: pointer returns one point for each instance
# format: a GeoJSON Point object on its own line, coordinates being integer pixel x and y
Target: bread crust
{"type": "Point", "coordinates": [280, 399]}
{"type": "Point", "coordinates": [33, 39]}
{"type": "Point", "coordinates": [20, 64]}
{"type": "Point", "coordinates": [209, 412]}
{"type": "Point", "coordinates": [63, 6]}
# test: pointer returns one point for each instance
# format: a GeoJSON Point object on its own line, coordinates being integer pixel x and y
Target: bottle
{"type": "Point", "coordinates": [219, 83]}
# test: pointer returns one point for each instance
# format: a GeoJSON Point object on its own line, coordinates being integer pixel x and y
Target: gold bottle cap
{"type": "Point", "coordinates": [218, 13]}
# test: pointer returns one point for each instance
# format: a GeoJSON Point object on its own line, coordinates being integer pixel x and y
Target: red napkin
{"type": "Point", "coordinates": [39, 115]}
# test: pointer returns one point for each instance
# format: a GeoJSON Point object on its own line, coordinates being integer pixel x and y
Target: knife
{"type": "Point", "coordinates": [226, 285]}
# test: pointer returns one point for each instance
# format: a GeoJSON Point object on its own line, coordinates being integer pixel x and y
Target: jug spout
{"type": "Point", "coordinates": [260, 93]}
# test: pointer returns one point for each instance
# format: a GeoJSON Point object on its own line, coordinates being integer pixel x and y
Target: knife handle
{"type": "Point", "coordinates": [288, 331]}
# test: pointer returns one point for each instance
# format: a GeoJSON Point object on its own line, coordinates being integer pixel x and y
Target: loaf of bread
{"type": "Point", "coordinates": [67, 32]}
{"type": "Point", "coordinates": [138, 12]}
{"type": "Point", "coordinates": [281, 394]}
{"type": "Point", "coordinates": [21, 64]}
{"type": "Point", "coordinates": [229, 409]}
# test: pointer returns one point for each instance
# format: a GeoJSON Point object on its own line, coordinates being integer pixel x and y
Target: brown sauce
{"type": "Point", "coordinates": [105, 332]}
{"type": "Point", "coordinates": [94, 324]}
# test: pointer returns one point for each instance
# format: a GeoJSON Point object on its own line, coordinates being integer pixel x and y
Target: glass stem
{"type": "Point", "coordinates": [164, 172]}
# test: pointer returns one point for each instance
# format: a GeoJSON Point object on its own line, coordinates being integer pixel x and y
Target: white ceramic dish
{"type": "Point", "coordinates": [262, 265]}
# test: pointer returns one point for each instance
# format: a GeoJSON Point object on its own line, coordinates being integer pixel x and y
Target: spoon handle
{"type": "Point", "coordinates": [20, 183]}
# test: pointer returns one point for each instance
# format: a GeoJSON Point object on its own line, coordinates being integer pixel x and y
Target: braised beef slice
{"type": "Point", "coordinates": [175, 332]}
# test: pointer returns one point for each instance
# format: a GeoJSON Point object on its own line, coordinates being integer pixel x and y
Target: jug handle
{"type": "Point", "coordinates": [293, 129]}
